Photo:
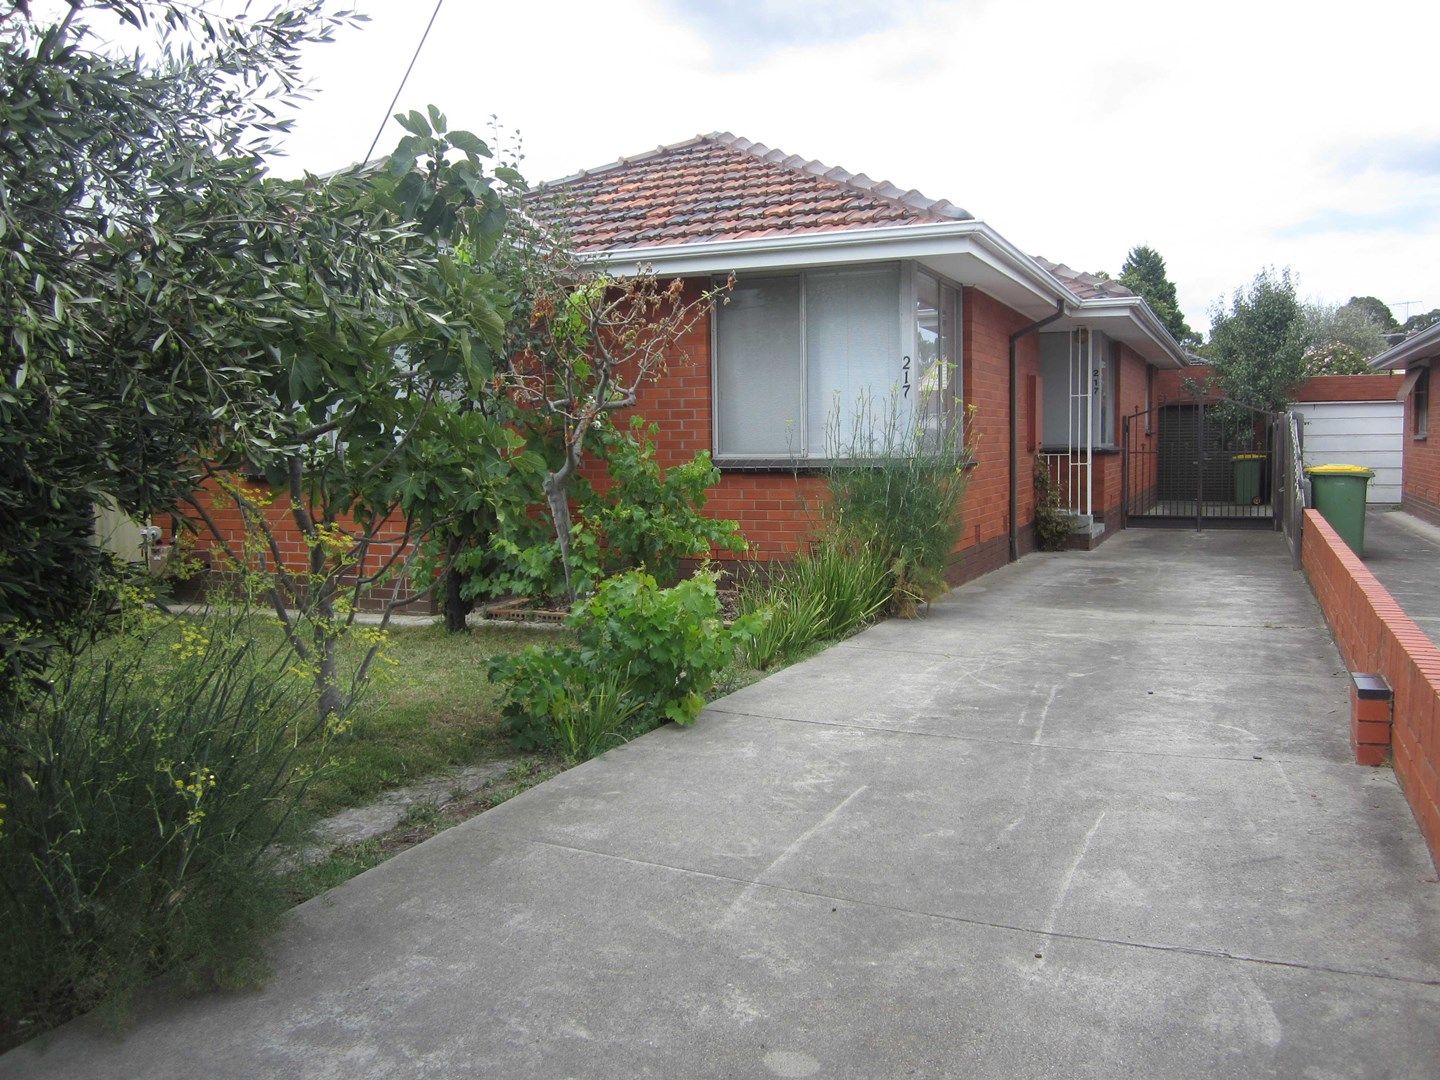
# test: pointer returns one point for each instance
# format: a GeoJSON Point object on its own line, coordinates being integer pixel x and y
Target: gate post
{"type": "Point", "coordinates": [1277, 472]}
{"type": "Point", "coordinates": [1124, 472]}
{"type": "Point", "coordinates": [1200, 467]}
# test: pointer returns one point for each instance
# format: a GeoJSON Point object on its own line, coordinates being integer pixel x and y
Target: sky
{"type": "Point", "coordinates": [1228, 136]}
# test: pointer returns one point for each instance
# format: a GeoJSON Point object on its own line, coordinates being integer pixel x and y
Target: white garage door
{"type": "Point", "coordinates": [1366, 433]}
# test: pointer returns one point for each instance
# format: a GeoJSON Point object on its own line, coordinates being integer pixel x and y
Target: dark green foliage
{"type": "Point", "coordinates": [140, 794]}
{"type": "Point", "coordinates": [1258, 344]}
{"type": "Point", "coordinates": [670, 645]}
{"type": "Point", "coordinates": [170, 309]}
{"type": "Point", "coordinates": [1052, 524]}
{"type": "Point", "coordinates": [130, 197]}
{"type": "Point", "coordinates": [1144, 273]}
{"type": "Point", "coordinates": [1415, 323]}
{"type": "Point", "coordinates": [1378, 311]}
{"type": "Point", "coordinates": [640, 519]}
{"type": "Point", "coordinates": [822, 594]}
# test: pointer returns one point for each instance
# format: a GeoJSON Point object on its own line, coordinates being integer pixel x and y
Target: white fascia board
{"type": "Point", "coordinates": [1422, 346]}
{"type": "Point", "coordinates": [1137, 311]}
{"type": "Point", "coordinates": [973, 238]}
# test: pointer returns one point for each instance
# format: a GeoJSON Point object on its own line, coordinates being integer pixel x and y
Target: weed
{"type": "Point", "coordinates": [424, 814]}
{"type": "Point", "coordinates": [143, 785]}
{"type": "Point", "coordinates": [596, 719]}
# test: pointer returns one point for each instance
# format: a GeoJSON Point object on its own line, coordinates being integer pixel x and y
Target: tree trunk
{"type": "Point", "coordinates": [456, 606]}
{"type": "Point", "coordinates": [555, 495]}
{"type": "Point", "coordinates": [331, 701]}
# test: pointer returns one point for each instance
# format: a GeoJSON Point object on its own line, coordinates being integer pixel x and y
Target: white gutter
{"type": "Point", "coordinates": [1416, 347]}
{"type": "Point", "coordinates": [1137, 309]}
{"type": "Point", "coordinates": [887, 242]}
{"type": "Point", "coordinates": [894, 241]}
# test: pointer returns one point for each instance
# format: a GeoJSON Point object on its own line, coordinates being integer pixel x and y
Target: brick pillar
{"type": "Point", "coordinates": [1370, 716]}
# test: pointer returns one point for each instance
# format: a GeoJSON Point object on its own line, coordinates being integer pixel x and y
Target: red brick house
{"type": "Point", "coordinates": [1418, 355]}
{"type": "Point", "coordinates": [846, 286]}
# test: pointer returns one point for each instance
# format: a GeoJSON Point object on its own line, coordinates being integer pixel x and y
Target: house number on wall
{"type": "Point", "coordinates": [905, 377]}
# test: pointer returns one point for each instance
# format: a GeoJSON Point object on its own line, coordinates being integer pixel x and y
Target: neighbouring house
{"type": "Point", "coordinates": [848, 289]}
{"type": "Point", "coordinates": [1417, 356]}
{"type": "Point", "coordinates": [1349, 420]}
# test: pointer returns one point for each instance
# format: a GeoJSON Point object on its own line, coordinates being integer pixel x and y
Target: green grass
{"type": "Point", "coordinates": [427, 708]}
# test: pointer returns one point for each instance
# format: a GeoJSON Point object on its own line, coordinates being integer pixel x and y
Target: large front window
{"type": "Point", "coordinates": [812, 365]}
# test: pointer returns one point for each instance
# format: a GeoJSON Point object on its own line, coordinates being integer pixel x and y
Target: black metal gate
{"type": "Point", "coordinates": [1201, 465]}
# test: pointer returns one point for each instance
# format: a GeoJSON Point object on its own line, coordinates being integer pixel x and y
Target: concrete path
{"type": "Point", "coordinates": [361, 823]}
{"type": "Point", "coordinates": [1404, 553]}
{"type": "Point", "coordinates": [1093, 817]}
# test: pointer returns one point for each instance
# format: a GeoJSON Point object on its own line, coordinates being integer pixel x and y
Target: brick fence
{"type": "Point", "coordinates": [1375, 635]}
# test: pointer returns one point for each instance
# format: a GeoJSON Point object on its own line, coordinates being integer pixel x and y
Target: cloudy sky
{"type": "Point", "coordinates": [1230, 136]}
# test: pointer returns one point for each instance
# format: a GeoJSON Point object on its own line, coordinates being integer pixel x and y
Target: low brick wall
{"type": "Point", "coordinates": [1375, 635]}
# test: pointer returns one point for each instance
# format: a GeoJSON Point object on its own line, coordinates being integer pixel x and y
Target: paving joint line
{"type": "Point", "coordinates": [1248, 759]}
{"type": "Point", "coordinates": [1182, 950]}
{"type": "Point", "coordinates": [852, 644]}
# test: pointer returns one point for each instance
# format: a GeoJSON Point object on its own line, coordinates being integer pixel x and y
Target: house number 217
{"type": "Point", "coordinates": [905, 377]}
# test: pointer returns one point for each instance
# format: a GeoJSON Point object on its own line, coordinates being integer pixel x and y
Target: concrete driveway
{"type": "Point", "coordinates": [1094, 816]}
{"type": "Point", "coordinates": [1404, 553]}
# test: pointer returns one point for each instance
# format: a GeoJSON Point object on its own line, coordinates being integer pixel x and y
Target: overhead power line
{"type": "Point", "coordinates": [403, 79]}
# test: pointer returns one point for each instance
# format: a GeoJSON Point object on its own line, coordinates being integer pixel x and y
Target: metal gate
{"type": "Point", "coordinates": [1202, 465]}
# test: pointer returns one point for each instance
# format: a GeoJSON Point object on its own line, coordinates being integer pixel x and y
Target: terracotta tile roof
{"type": "Point", "coordinates": [720, 187]}
{"type": "Point", "coordinates": [1086, 286]}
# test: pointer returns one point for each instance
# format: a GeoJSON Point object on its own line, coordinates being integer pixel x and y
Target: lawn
{"type": "Point", "coordinates": [429, 707]}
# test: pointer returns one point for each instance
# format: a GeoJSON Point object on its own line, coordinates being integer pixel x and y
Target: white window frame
{"type": "Point", "coordinates": [1420, 405]}
{"type": "Point", "coordinates": [906, 341]}
{"type": "Point", "coordinates": [953, 398]}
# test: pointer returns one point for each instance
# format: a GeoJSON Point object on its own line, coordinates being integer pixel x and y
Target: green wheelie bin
{"type": "Point", "coordinates": [1339, 495]}
{"type": "Point", "coordinates": [1247, 477]}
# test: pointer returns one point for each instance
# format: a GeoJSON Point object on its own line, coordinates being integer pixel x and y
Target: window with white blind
{"type": "Point", "coordinates": [799, 358]}
{"type": "Point", "coordinates": [760, 383]}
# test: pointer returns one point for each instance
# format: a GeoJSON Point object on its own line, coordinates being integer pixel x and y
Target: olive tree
{"type": "Point", "coordinates": [174, 314]}
{"type": "Point", "coordinates": [144, 285]}
{"type": "Point", "coordinates": [1341, 339]}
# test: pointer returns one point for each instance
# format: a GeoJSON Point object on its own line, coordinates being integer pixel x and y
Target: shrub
{"type": "Point", "coordinates": [142, 789]}
{"type": "Point", "coordinates": [538, 685]}
{"type": "Point", "coordinates": [672, 641]}
{"type": "Point", "coordinates": [1052, 525]}
{"type": "Point", "coordinates": [670, 644]}
{"type": "Point", "coordinates": [823, 594]}
{"type": "Point", "coordinates": [643, 519]}
{"type": "Point", "coordinates": [649, 520]}
{"type": "Point", "coordinates": [896, 488]}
